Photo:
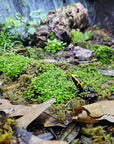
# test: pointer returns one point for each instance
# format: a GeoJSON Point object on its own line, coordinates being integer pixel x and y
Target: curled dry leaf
{"type": "Point", "coordinates": [31, 115]}
{"type": "Point", "coordinates": [95, 112]}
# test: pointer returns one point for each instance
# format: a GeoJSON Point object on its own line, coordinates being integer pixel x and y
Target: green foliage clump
{"type": "Point", "coordinates": [98, 134]}
{"type": "Point", "coordinates": [90, 76]}
{"type": "Point", "coordinates": [6, 41]}
{"type": "Point", "coordinates": [104, 53]}
{"type": "Point", "coordinates": [50, 84]}
{"type": "Point", "coordinates": [38, 16]}
{"type": "Point", "coordinates": [36, 53]}
{"type": "Point", "coordinates": [52, 36]}
{"type": "Point", "coordinates": [12, 65]}
{"type": "Point", "coordinates": [80, 38]}
{"type": "Point", "coordinates": [54, 45]}
{"type": "Point", "coordinates": [20, 28]}
{"type": "Point", "coordinates": [97, 26]}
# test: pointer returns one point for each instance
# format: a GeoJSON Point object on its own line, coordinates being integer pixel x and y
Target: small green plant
{"type": "Point", "coordinates": [20, 28]}
{"type": "Point", "coordinates": [52, 36]}
{"type": "Point", "coordinates": [54, 45]}
{"type": "Point", "coordinates": [12, 65]}
{"type": "Point", "coordinates": [39, 16]}
{"type": "Point", "coordinates": [80, 38]}
{"type": "Point", "coordinates": [106, 38]}
{"type": "Point", "coordinates": [7, 41]}
{"type": "Point", "coordinates": [104, 53]}
{"type": "Point", "coordinates": [96, 26]}
{"type": "Point", "coordinates": [50, 84]}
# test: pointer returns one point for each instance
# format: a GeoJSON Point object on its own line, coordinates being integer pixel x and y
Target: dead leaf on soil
{"type": "Point", "coordinates": [95, 112]}
{"type": "Point", "coordinates": [31, 115]}
{"type": "Point", "coordinates": [48, 120]}
{"type": "Point", "coordinates": [14, 110]}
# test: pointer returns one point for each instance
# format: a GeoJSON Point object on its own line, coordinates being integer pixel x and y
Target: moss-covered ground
{"type": "Point", "coordinates": [27, 78]}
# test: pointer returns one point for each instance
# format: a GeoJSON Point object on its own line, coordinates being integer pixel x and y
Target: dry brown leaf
{"type": "Point", "coordinates": [31, 115]}
{"type": "Point", "coordinates": [14, 110]}
{"type": "Point", "coordinates": [47, 120]}
{"type": "Point", "coordinates": [92, 113]}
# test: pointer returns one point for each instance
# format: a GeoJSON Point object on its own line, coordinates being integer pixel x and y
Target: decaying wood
{"type": "Point", "coordinates": [61, 21]}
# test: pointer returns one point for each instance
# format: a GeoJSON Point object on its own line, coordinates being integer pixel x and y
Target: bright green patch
{"type": "Point", "coordinates": [80, 38]}
{"type": "Point", "coordinates": [12, 65]}
{"type": "Point", "coordinates": [104, 53]}
{"type": "Point", "coordinates": [7, 41]}
{"type": "Point", "coordinates": [90, 76]}
{"type": "Point", "coordinates": [54, 45]}
{"type": "Point", "coordinates": [50, 84]}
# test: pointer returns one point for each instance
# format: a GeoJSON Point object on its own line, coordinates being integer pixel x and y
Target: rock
{"type": "Point", "coordinates": [51, 60]}
{"type": "Point", "coordinates": [70, 47]}
{"type": "Point", "coordinates": [61, 21]}
{"type": "Point", "coordinates": [82, 53]}
{"type": "Point", "coordinates": [41, 35]}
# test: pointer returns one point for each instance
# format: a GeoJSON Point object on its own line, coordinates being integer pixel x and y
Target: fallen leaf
{"type": "Point", "coordinates": [31, 115]}
{"type": "Point", "coordinates": [92, 113]}
{"type": "Point", "coordinates": [107, 72]}
{"type": "Point", "coordinates": [14, 110]}
{"type": "Point", "coordinates": [49, 120]}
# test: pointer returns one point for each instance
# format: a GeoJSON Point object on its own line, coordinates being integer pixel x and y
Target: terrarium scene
{"type": "Point", "coordinates": [56, 72]}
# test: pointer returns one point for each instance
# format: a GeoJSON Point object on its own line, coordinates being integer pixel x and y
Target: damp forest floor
{"type": "Point", "coordinates": [30, 75]}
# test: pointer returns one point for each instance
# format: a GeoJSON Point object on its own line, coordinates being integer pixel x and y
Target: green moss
{"type": "Point", "coordinates": [52, 83]}
{"type": "Point", "coordinates": [90, 76]}
{"type": "Point", "coordinates": [54, 45]}
{"type": "Point", "coordinates": [6, 133]}
{"type": "Point", "coordinates": [104, 53]}
{"type": "Point", "coordinates": [98, 134]}
{"type": "Point", "coordinates": [12, 65]}
{"type": "Point", "coordinates": [80, 38]}
{"type": "Point", "coordinates": [36, 53]}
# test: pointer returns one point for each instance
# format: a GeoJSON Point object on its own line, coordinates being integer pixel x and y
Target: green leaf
{"type": "Point", "coordinates": [31, 30]}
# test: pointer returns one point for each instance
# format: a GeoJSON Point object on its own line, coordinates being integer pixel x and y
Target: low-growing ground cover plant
{"type": "Point", "coordinates": [104, 53]}
{"type": "Point", "coordinates": [50, 84]}
{"type": "Point", "coordinates": [12, 65]}
{"type": "Point", "coordinates": [54, 45]}
{"type": "Point", "coordinates": [80, 38]}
